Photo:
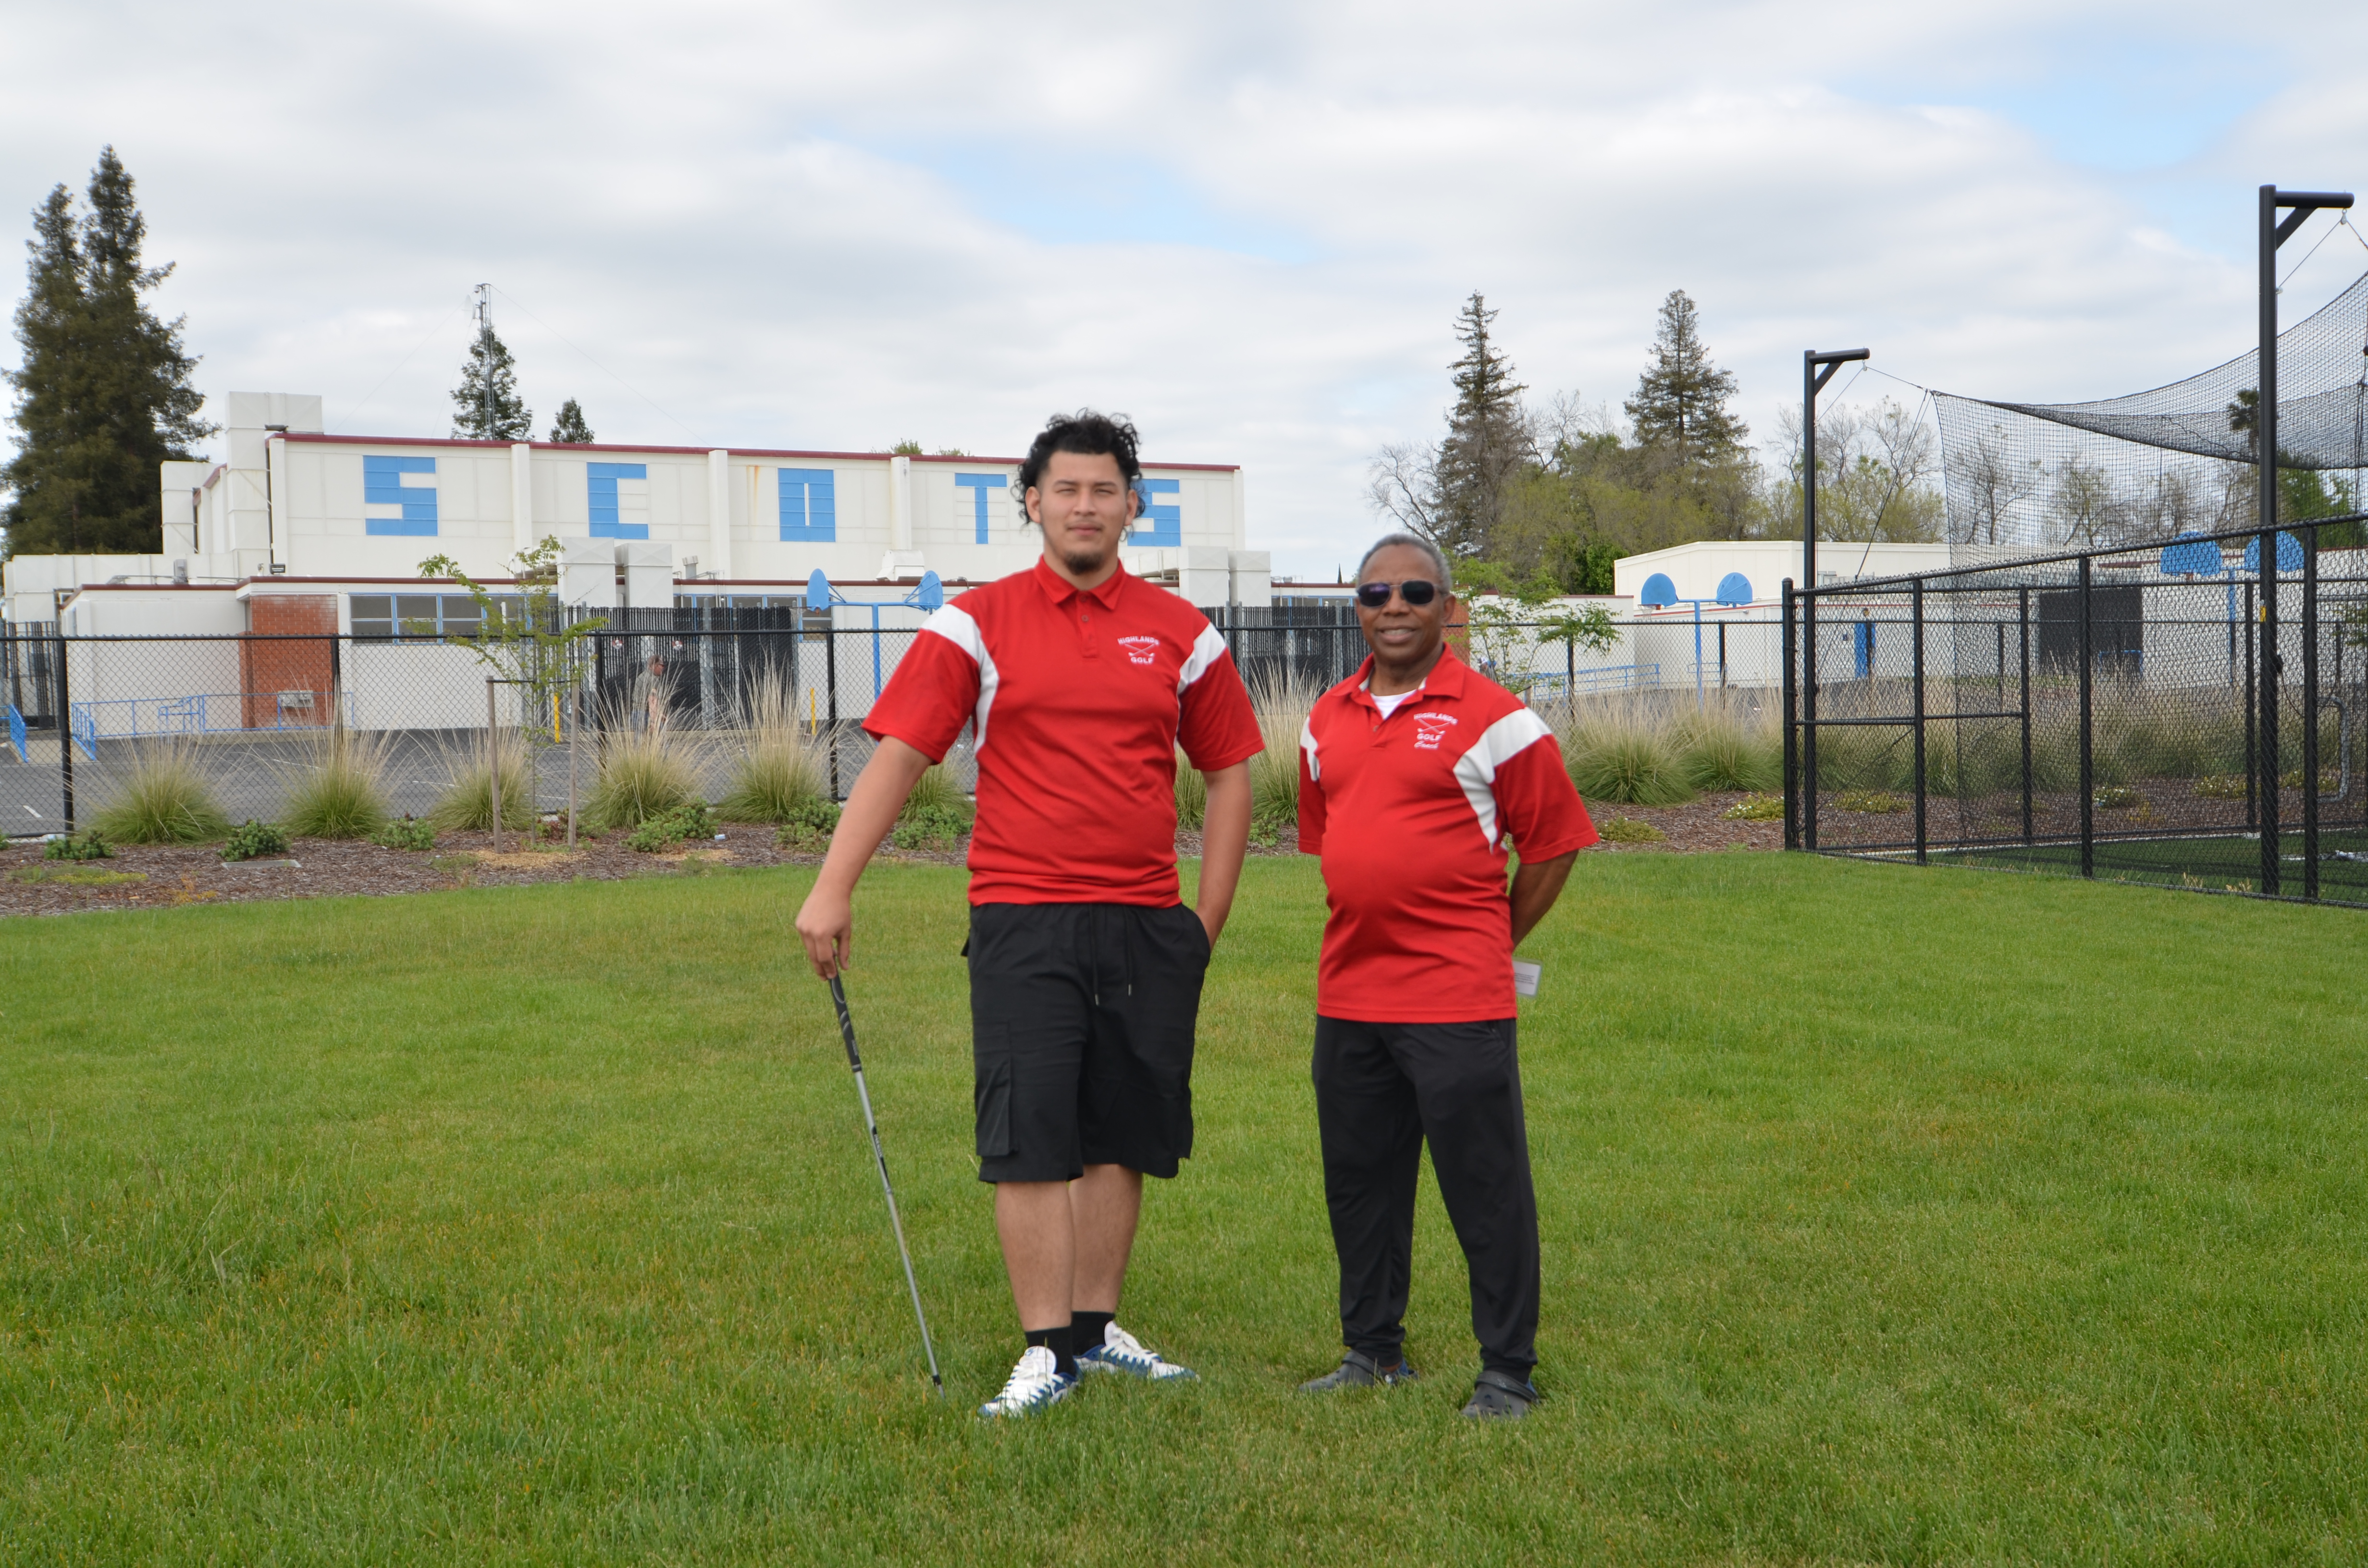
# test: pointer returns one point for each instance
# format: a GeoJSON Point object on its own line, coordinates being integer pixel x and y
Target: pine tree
{"type": "Point", "coordinates": [102, 390]}
{"type": "Point", "coordinates": [1487, 437]}
{"type": "Point", "coordinates": [1680, 401]}
{"type": "Point", "coordinates": [487, 405]}
{"type": "Point", "coordinates": [570, 427]}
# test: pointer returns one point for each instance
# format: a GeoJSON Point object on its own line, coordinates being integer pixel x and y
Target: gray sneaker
{"type": "Point", "coordinates": [1500, 1396]}
{"type": "Point", "coordinates": [1359, 1371]}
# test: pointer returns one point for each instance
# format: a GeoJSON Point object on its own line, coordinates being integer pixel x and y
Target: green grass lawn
{"type": "Point", "coordinates": [1889, 1216]}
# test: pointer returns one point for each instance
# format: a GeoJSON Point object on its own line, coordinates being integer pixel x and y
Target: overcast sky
{"type": "Point", "coordinates": [1249, 226]}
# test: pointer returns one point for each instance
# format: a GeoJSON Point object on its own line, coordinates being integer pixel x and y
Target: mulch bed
{"type": "Point", "coordinates": [160, 877]}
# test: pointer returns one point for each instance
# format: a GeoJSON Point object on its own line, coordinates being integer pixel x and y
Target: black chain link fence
{"type": "Point", "coordinates": [2187, 714]}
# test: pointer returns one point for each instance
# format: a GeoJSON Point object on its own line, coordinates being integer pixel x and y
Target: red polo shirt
{"type": "Point", "coordinates": [1079, 701]}
{"type": "Point", "coordinates": [1413, 816]}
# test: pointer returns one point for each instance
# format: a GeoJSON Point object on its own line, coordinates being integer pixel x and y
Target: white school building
{"type": "Point", "coordinates": [641, 525]}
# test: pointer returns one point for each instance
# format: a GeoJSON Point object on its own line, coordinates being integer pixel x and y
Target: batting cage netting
{"type": "Point", "coordinates": [2025, 477]}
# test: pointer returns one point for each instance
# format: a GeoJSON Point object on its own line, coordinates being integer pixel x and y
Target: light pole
{"type": "Point", "coordinates": [1816, 370]}
{"type": "Point", "coordinates": [2298, 205]}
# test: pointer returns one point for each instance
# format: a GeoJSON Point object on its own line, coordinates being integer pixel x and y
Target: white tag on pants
{"type": "Point", "coordinates": [1525, 977]}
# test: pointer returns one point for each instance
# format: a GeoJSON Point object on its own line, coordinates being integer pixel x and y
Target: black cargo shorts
{"type": "Point", "coordinates": [1081, 1027]}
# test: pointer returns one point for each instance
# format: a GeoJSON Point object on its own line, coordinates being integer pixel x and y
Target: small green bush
{"type": "Point", "coordinates": [690, 820]}
{"type": "Point", "coordinates": [2222, 786]}
{"type": "Point", "coordinates": [252, 840]}
{"type": "Point", "coordinates": [406, 833]}
{"type": "Point", "coordinates": [1628, 830]}
{"type": "Point", "coordinates": [1756, 808]}
{"type": "Point", "coordinates": [1877, 802]}
{"type": "Point", "coordinates": [809, 826]}
{"type": "Point", "coordinates": [166, 799]}
{"type": "Point", "coordinates": [2118, 797]}
{"type": "Point", "coordinates": [77, 846]}
{"type": "Point", "coordinates": [935, 813]}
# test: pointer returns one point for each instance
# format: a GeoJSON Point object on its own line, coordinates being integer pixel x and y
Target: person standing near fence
{"type": "Point", "coordinates": [1417, 776]}
{"type": "Point", "coordinates": [1080, 682]}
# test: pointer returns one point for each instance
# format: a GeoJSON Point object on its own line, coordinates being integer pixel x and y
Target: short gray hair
{"type": "Point", "coordinates": [1416, 542]}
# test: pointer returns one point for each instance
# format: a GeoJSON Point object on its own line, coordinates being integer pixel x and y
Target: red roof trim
{"type": "Point", "coordinates": [678, 452]}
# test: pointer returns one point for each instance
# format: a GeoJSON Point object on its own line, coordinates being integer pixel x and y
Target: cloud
{"type": "Point", "coordinates": [1249, 225]}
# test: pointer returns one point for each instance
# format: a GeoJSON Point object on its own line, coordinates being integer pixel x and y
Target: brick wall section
{"type": "Point", "coordinates": [267, 669]}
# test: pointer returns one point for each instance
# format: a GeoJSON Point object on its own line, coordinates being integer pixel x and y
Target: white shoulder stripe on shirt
{"type": "Point", "coordinates": [1307, 745]}
{"type": "Point", "coordinates": [1498, 743]}
{"type": "Point", "coordinates": [955, 625]}
{"type": "Point", "coordinates": [1207, 648]}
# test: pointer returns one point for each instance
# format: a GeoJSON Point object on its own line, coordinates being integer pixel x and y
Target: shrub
{"type": "Point", "coordinates": [339, 791]}
{"type": "Point", "coordinates": [2222, 786]}
{"type": "Point", "coordinates": [1877, 802]}
{"type": "Point", "coordinates": [641, 773]}
{"type": "Point", "coordinates": [1727, 743]}
{"type": "Point", "coordinates": [165, 799]}
{"type": "Point", "coordinates": [77, 846]}
{"type": "Point", "coordinates": [935, 813]}
{"type": "Point", "coordinates": [251, 840]}
{"type": "Point", "coordinates": [1756, 808]}
{"type": "Point", "coordinates": [2118, 797]}
{"type": "Point", "coordinates": [1623, 751]}
{"type": "Point", "coordinates": [690, 820]}
{"type": "Point", "coordinates": [1628, 830]}
{"type": "Point", "coordinates": [776, 771]}
{"type": "Point", "coordinates": [810, 826]}
{"type": "Point", "coordinates": [466, 805]}
{"type": "Point", "coordinates": [406, 833]}
{"type": "Point", "coordinates": [1192, 794]}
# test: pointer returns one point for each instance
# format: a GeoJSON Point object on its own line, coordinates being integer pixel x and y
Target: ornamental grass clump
{"type": "Point", "coordinates": [339, 791]}
{"type": "Point", "coordinates": [776, 771]}
{"type": "Point", "coordinates": [1282, 704]}
{"type": "Point", "coordinates": [1191, 795]}
{"type": "Point", "coordinates": [1624, 750]}
{"type": "Point", "coordinates": [165, 799]}
{"type": "Point", "coordinates": [643, 771]}
{"type": "Point", "coordinates": [1729, 743]}
{"type": "Point", "coordinates": [466, 805]}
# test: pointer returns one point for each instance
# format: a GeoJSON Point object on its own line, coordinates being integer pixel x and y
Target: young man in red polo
{"type": "Point", "coordinates": [1417, 776]}
{"type": "Point", "coordinates": [1078, 683]}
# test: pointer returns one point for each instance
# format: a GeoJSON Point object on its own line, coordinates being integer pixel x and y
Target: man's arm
{"type": "Point", "coordinates": [1225, 839]}
{"type": "Point", "coordinates": [1536, 888]}
{"type": "Point", "coordinates": [826, 921]}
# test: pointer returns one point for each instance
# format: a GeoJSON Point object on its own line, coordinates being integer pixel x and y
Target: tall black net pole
{"type": "Point", "coordinates": [1791, 730]}
{"type": "Point", "coordinates": [1921, 838]}
{"type": "Point", "coordinates": [2310, 713]}
{"type": "Point", "coordinates": [2088, 728]}
{"type": "Point", "coordinates": [1816, 370]}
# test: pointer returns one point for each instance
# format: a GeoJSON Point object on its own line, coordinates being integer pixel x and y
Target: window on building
{"type": "Point", "coordinates": [420, 618]}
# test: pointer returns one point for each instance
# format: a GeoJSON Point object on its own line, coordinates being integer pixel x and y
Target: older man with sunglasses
{"type": "Point", "coordinates": [1417, 775]}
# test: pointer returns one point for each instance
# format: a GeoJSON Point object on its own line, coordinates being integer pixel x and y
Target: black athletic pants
{"type": "Point", "coordinates": [1380, 1089]}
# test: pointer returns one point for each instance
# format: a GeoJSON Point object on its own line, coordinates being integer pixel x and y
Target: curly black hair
{"type": "Point", "coordinates": [1087, 433]}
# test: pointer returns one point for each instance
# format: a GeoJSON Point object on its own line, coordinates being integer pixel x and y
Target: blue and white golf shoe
{"type": "Point", "coordinates": [1122, 1352]}
{"type": "Point", "coordinates": [1035, 1383]}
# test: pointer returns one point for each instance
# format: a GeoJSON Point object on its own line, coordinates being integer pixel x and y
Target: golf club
{"type": "Point", "coordinates": [855, 1060]}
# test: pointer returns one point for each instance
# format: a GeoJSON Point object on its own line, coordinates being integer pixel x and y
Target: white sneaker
{"type": "Point", "coordinates": [1034, 1384]}
{"type": "Point", "coordinates": [1122, 1352]}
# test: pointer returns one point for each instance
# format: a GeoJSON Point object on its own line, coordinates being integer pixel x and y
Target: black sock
{"type": "Point", "coordinates": [1086, 1328]}
{"type": "Point", "coordinates": [1062, 1343]}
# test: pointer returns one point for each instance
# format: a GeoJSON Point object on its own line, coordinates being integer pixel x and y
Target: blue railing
{"type": "Point", "coordinates": [203, 713]}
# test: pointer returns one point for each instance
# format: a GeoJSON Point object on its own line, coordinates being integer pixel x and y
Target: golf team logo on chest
{"type": "Point", "coordinates": [1141, 650]}
{"type": "Point", "coordinates": [1430, 728]}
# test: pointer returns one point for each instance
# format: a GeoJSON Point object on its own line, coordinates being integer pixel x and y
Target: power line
{"type": "Point", "coordinates": [406, 359]}
{"type": "Point", "coordinates": [595, 363]}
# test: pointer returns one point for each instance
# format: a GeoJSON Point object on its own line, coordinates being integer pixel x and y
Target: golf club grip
{"type": "Point", "coordinates": [846, 1022]}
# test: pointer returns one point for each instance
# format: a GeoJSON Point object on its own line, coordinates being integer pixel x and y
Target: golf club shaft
{"type": "Point", "coordinates": [880, 1158]}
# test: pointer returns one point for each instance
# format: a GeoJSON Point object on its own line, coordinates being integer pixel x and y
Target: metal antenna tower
{"type": "Point", "coordinates": [484, 312]}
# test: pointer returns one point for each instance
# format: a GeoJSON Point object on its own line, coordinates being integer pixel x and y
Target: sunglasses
{"type": "Point", "coordinates": [1413, 590]}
